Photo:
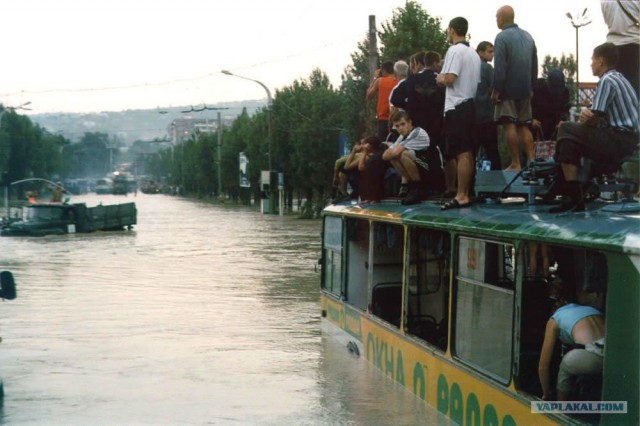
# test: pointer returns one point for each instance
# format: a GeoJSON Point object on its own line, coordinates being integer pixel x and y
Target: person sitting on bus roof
{"type": "Point", "coordinates": [404, 154]}
{"type": "Point", "coordinates": [342, 178]}
{"type": "Point", "coordinates": [606, 133]}
{"type": "Point", "coordinates": [371, 169]}
{"type": "Point", "coordinates": [580, 327]}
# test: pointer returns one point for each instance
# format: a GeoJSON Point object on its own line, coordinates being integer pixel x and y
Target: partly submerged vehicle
{"type": "Point", "coordinates": [45, 219]}
{"type": "Point", "coordinates": [104, 186]}
{"type": "Point", "coordinates": [453, 304]}
{"type": "Point", "coordinates": [8, 292]}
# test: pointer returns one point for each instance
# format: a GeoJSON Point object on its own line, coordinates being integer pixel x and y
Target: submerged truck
{"type": "Point", "coordinates": [47, 219]}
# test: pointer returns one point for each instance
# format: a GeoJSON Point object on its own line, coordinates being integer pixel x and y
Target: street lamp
{"type": "Point", "coordinates": [269, 103]}
{"type": "Point", "coordinates": [580, 20]}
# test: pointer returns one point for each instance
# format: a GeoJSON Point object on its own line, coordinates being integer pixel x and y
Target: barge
{"type": "Point", "coordinates": [47, 219]}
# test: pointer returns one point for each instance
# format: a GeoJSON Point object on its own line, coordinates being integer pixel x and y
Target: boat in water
{"type": "Point", "coordinates": [47, 219]}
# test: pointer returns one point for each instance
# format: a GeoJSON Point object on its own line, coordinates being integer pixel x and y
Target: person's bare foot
{"type": "Point", "coordinates": [512, 168]}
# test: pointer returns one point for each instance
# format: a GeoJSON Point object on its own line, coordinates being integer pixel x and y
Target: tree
{"type": "Point", "coordinates": [411, 29]}
{"type": "Point", "coordinates": [567, 65]}
{"type": "Point", "coordinates": [307, 118]}
{"type": "Point", "coordinates": [27, 150]}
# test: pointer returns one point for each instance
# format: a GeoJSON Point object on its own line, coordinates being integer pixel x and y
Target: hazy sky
{"type": "Point", "coordinates": [112, 55]}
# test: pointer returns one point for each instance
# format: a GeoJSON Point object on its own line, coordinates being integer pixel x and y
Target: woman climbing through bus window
{"type": "Point", "coordinates": [579, 327]}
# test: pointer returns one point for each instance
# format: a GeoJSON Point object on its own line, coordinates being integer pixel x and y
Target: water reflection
{"type": "Point", "coordinates": [202, 315]}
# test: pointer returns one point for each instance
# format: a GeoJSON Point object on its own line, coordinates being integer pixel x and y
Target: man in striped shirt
{"type": "Point", "coordinates": [606, 133]}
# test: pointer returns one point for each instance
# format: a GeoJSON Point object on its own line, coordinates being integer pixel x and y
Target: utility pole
{"type": "Point", "coordinates": [373, 47]}
{"type": "Point", "coordinates": [219, 155]}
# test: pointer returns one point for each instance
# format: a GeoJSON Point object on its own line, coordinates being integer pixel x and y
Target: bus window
{"type": "Point", "coordinates": [332, 268]}
{"type": "Point", "coordinates": [428, 298]}
{"type": "Point", "coordinates": [387, 264]}
{"type": "Point", "coordinates": [484, 306]}
{"type": "Point", "coordinates": [357, 262]}
{"type": "Point", "coordinates": [575, 275]}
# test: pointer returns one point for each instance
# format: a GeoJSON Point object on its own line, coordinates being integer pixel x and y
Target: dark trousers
{"type": "Point", "coordinates": [628, 63]}
{"type": "Point", "coordinates": [383, 129]}
{"type": "Point", "coordinates": [604, 145]}
{"type": "Point", "coordinates": [487, 134]}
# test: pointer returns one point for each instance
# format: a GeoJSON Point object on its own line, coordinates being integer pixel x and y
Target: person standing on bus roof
{"type": "Point", "coordinates": [622, 18]}
{"type": "Point", "coordinates": [606, 133]}
{"type": "Point", "coordinates": [580, 327]}
{"type": "Point", "coordinates": [487, 130]}
{"type": "Point", "coordinates": [516, 70]}
{"type": "Point", "coordinates": [384, 81]}
{"type": "Point", "coordinates": [460, 75]}
{"type": "Point", "coordinates": [398, 95]}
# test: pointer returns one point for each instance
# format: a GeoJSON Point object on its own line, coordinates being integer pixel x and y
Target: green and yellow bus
{"type": "Point", "coordinates": [453, 304]}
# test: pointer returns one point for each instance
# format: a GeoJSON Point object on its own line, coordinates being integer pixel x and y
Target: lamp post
{"type": "Point", "coordinates": [579, 21]}
{"type": "Point", "coordinates": [269, 103]}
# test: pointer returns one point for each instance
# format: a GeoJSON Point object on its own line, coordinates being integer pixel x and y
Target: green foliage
{"type": "Point", "coordinates": [567, 64]}
{"type": "Point", "coordinates": [411, 30]}
{"type": "Point", "coordinates": [27, 150]}
{"type": "Point", "coordinates": [90, 156]}
{"type": "Point", "coordinates": [307, 123]}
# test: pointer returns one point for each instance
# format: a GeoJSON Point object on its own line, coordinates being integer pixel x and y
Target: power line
{"type": "Point", "coordinates": [169, 82]}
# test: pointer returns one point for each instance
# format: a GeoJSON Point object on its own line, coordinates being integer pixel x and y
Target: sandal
{"type": "Point", "coordinates": [454, 204]}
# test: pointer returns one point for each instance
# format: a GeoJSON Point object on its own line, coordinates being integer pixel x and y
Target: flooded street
{"type": "Point", "coordinates": [203, 314]}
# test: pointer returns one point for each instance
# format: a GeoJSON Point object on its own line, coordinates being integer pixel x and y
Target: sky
{"type": "Point", "coordinates": [114, 55]}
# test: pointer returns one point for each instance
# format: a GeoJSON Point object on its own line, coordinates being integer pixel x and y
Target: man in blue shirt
{"type": "Point", "coordinates": [606, 133]}
{"type": "Point", "coordinates": [516, 70]}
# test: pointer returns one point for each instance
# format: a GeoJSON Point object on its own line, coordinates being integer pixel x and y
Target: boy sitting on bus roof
{"type": "Point", "coordinates": [405, 152]}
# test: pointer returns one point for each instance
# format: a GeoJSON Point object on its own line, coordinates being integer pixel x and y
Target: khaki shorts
{"type": "Point", "coordinates": [518, 112]}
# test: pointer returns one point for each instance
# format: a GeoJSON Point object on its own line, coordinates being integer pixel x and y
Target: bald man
{"type": "Point", "coordinates": [516, 70]}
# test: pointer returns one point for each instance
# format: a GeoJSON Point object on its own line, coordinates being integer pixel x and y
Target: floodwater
{"type": "Point", "coordinates": [203, 314]}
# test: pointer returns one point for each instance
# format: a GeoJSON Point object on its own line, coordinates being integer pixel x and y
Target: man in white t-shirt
{"type": "Point", "coordinates": [461, 75]}
{"type": "Point", "coordinates": [623, 20]}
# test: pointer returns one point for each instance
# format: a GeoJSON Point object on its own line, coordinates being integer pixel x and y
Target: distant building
{"type": "Point", "coordinates": [182, 129]}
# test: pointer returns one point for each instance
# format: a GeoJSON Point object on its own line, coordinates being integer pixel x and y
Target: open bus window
{"type": "Point", "coordinates": [428, 298]}
{"type": "Point", "coordinates": [584, 273]}
{"type": "Point", "coordinates": [332, 268]}
{"type": "Point", "coordinates": [357, 262]}
{"type": "Point", "coordinates": [386, 272]}
{"type": "Point", "coordinates": [483, 314]}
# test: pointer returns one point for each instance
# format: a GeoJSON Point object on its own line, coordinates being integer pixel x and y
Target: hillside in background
{"type": "Point", "coordinates": [133, 125]}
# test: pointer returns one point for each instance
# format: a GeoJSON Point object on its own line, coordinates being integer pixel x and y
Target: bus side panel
{"type": "Point", "coordinates": [622, 356]}
{"type": "Point", "coordinates": [454, 392]}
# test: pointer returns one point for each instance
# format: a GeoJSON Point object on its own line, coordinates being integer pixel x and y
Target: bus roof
{"type": "Point", "coordinates": [610, 227]}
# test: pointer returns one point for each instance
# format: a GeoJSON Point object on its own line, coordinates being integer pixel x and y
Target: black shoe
{"type": "Point", "coordinates": [404, 190]}
{"type": "Point", "coordinates": [410, 199]}
{"type": "Point", "coordinates": [574, 200]}
{"type": "Point", "coordinates": [413, 197]}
